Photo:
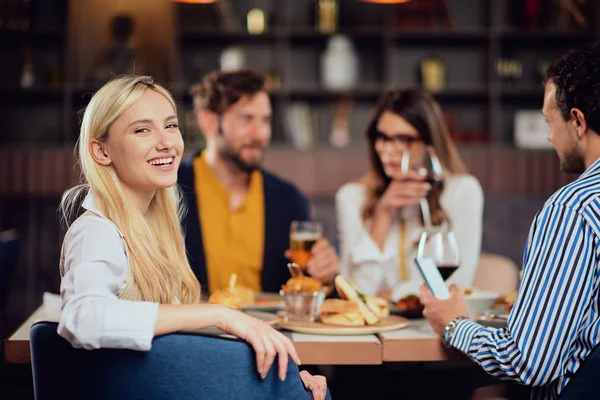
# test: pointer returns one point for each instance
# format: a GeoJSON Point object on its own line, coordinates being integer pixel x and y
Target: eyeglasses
{"type": "Point", "coordinates": [397, 142]}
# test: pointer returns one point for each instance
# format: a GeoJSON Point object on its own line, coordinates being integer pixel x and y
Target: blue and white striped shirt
{"type": "Point", "coordinates": [555, 322]}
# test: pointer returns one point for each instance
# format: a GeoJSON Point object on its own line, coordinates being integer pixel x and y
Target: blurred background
{"type": "Point", "coordinates": [326, 62]}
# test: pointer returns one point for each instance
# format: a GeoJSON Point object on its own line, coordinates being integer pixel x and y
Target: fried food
{"type": "Point", "coordinates": [233, 296]}
{"type": "Point", "coordinates": [227, 298]}
{"type": "Point", "coordinates": [409, 303]}
{"type": "Point", "coordinates": [302, 284]}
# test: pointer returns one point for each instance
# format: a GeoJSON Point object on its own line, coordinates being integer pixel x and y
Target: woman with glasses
{"type": "Point", "coordinates": [382, 215]}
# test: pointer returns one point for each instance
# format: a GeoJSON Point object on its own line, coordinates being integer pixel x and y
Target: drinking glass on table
{"type": "Point", "coordinates": [303, 236]}
{"type": "Point", "coordinates": [440, 245]}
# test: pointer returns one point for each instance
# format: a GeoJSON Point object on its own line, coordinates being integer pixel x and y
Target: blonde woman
{"type": "Point", "coordinates": [125, 274]}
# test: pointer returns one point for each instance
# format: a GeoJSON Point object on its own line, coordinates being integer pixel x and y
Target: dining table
{"type": "Point", "coordinates": [413, 343]}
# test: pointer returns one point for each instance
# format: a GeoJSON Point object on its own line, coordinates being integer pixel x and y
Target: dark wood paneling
{"type": "Point", "coordinates": [502, 172]}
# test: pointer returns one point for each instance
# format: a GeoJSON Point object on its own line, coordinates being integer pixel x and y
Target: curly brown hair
{"type": "Point", "coordinates": [420, 110]}
{"type": "Point", "coordinates": [220, 90]}
{"type": "Point", "coordinates": [576, 75]}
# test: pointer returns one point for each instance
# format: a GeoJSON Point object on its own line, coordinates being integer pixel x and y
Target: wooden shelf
{"type": "Point", "coordinates": [508, 91]}
{"type": "Point", "coordinates": [424, 35]}
{"type": "Point", "coordinates": [225, 35]}
{"type": "Point", "coordinates": [319, 93]}
{"type": "Point", "coordinates": [474, 94]}
{"type": "Point", "coordinates": [540, 37]}
{"type": "Point", "coordinates": [311, 33]}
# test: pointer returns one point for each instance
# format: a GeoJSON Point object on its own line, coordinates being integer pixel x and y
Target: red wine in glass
{"type": "Point", "coordinates": [446, 270]}
{"type": "Point", "coordinates": [434, 181]}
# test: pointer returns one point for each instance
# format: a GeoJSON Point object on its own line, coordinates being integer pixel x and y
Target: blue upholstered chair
{"type": "Point", "coordinates": [179, 366]}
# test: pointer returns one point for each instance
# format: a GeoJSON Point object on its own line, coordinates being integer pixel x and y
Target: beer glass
{"type": "Point", "coordinates": [303, 236]}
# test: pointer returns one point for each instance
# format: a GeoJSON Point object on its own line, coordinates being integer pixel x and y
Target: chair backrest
{"type": "Point", "coordinates": [179, 366]}
{"type": "Point", "coordinates": [497, 274]}
{"type": "Point", "coordinates": [585, 385]}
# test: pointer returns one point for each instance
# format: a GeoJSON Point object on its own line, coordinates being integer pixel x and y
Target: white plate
{"type": "Point", "coordinates": [388, 324]}
{"type": "Point", "coordinates": [265, 302]}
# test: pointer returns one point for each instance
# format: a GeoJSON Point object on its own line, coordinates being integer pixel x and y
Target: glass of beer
{"type": "Point", "coordinates": [303, 236]}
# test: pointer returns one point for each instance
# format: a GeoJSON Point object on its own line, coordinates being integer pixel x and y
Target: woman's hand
{"type": "Point", "coordinates": [266, 341]}
{"type": "Point", "coordinates": [317, 384]}
{"type": "Point", "coordinates": [409, 189]}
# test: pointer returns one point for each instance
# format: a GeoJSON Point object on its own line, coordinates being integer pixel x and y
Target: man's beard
{"type": "Point", "coordinates": [572, 161]}
{"type": "Point", "coordinates": [229, 155]}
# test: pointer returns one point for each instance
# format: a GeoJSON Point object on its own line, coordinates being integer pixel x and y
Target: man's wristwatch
{"type": "Point", "coordinates": [449, 331]}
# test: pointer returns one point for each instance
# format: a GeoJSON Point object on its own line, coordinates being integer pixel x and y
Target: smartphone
{"type": "Point", "coordinates": [432, 278]}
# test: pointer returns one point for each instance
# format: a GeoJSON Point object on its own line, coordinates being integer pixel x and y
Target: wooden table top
{"type": "Point", "coordinates": [417, 342]}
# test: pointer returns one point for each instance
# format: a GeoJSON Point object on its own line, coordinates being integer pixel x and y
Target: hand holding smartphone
{"type": "Point", "coordinates": [433, 279]}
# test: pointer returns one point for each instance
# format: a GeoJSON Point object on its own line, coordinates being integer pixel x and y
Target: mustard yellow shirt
{"type": "Point", "coordinates": [233, 239]}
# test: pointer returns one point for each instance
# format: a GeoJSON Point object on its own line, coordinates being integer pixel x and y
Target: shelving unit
{"type": "Point", "coordinates": [475, 100]}
{"type": "Point", "coordinates": [389, 55]}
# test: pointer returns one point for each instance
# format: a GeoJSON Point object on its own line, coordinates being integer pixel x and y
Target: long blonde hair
{"type": "Point", "coordinates": [421, 110]}
{"type": "Point", "coordinates": [157, 258]}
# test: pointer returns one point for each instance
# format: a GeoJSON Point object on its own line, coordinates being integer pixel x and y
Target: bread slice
{"type": "Point", "coordinates": [379, 305]}
{"type": "Point", "coordinates": [345, 319]}
{"type": "Point", "coordinates": [339, 306]}
{"type": "Point", "coordinates": [347, 291]}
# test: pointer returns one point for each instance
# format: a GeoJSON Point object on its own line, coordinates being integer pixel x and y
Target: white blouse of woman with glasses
{"type": "Point", "coordinates": [125, 274]}
{"type": "Point", "coordinates": [379, 216]}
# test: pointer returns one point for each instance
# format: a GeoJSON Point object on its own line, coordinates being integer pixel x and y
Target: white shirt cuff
{"type": "Point", "coordinates": [132, 327]}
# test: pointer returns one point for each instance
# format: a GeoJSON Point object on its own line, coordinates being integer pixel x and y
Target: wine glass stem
{"type": "Point", "coordinates": [426, 214]}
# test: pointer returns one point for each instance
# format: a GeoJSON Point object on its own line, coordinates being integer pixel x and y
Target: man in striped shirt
{"type": "Point", "coordinates": [555, 322]}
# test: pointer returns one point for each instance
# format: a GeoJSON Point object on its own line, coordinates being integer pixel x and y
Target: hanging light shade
{"type": "Point", "coordinates": [194, 1]}
{"type": "Point", "coordinates": [386, 1]}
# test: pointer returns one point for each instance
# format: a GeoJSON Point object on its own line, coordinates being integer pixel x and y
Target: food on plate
{"type": "Point", "coordinates": [344, 319]}
{"type": "Point", "coordinates": [341, 312]}
{"type": "Point", "coordinates": [409, 303]}
{"type": "Point", "coordinates": [226, 298]}
{"type": "Point", "coordinates": [339, 306]}
{"type": "Point", "coordinates": [507, 301]}
{"type": "Point", "coordinates": [245, 294]}
{"type": "Point", "coordinates": [302, 284]}
{"type": "Point", "coordinates": [467, 291]}
{"type": "Point", "coordinates": [231, 297]}
{"type": "Point", "coordinates": [370, 311]}
{"type": "Point", "coordinates": [379, 305]}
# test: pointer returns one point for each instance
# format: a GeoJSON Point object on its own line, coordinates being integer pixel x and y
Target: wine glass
{"type": "Point", "coordinates": [426, 163]}
{"type": "Point", "coordinates": [440, 246]}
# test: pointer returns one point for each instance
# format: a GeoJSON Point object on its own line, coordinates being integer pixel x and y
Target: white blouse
{"type": "Point", "coordinates": [96, 270]}
{"type": "Point", "coordinates": [374, 270]}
